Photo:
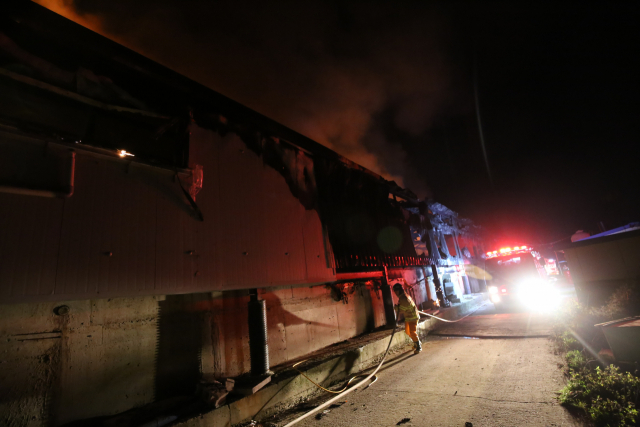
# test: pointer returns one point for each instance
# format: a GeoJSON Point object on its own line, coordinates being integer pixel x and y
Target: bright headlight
{"type": "Point", "coordinates": [493, 289]}
{"type": "Point", "coordinates": [538, 295]}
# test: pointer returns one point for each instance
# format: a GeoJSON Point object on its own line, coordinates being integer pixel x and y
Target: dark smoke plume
{"type": "Point", "coordinates": [325, 69]}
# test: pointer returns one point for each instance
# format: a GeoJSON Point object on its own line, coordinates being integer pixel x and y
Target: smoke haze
{"type": "Point", "coordinates": [324, 69]}
{"type": "Point", "coordinates": [388, 85]}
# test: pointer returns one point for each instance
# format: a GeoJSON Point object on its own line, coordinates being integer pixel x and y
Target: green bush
{"type": "Point", "coordinates": [608, 396]}
{"type": "Point", "coordinates": [580, 319]}
{"type": "Point", "coordinates": [567, 313]}
{"type": "Point", "coordinates": [622, 303]}
{"type": "Point", "coordinates": [575, 360]}
{"type": "Point", "coordinates": [569, 342]}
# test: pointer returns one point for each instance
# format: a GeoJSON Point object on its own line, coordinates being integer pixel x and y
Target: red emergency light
{"type": "Point", "coordinates": [508, 251]}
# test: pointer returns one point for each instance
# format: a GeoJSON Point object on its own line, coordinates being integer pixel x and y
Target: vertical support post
{"type": "Point", "coordinates": [258, 339]}
{"type": "Point", "coordinates": [439, 291]}
{"type": "Point", "coordinates": [458, 249]}
{"type": "Point", "coordinates": [465, 281]}
{"type": "Point", "coordinates": [426, 286]}
{"type": "Point", "coordinates": [483, 286]}
{"type": "Point", "coordinates": [387, 300]}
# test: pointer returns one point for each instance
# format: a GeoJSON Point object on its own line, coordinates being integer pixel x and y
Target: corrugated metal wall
{"type": "Point", "coordinates": [128, 230]}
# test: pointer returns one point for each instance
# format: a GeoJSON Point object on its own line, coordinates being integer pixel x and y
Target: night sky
{"type": "Point", "coordinates": [391, 86]}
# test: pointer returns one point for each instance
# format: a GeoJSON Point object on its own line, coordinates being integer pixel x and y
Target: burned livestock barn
{"type": "Point", "coordinates": [156, 234]}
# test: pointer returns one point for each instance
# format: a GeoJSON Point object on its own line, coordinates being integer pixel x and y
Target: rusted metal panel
{"type": "Point", "coordinates": [29, 241]}
{"type": "Point", "coordinates": [108, 232]}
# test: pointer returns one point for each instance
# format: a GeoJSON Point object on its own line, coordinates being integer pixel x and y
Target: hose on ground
{"type": "Point", "coordinates": [326, 389]}
{"type": "Point", "coordinates": [347, 390]}
{"type": "Point", "coordinates": [453, 321]}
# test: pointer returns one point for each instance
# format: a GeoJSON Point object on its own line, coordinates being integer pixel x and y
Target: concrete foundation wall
{"type": "Point", "coordinates": [98, 359]}
{"type": "Point", "coordinates": [106, 356]}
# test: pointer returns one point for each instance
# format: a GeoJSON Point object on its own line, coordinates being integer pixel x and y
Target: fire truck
{"type": "Point", "coordinates": [520, 276]}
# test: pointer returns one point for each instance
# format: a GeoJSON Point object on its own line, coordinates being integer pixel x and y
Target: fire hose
{"type": "Point", "coordinates": [452, 321]}
{"type": "Point", "coordinates": [346, 390]}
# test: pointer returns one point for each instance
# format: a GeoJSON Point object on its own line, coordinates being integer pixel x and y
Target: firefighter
{"type": "Point", "coordinates": [407, 307]}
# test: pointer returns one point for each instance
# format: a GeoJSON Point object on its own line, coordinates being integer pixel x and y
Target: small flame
{"type": "Point", "coordinates": [124, 153]}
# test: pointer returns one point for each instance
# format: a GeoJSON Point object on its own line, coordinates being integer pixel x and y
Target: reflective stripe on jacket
{"type": "Point", "coordinates": [408, 308]}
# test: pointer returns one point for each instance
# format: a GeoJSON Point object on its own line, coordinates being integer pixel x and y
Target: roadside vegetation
{"type": "Point", "coordinates": [605, 391]}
